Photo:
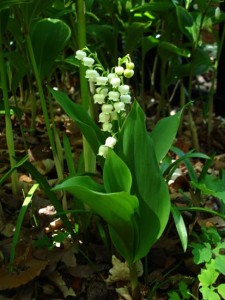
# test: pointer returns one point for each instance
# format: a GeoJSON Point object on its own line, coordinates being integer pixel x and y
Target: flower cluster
{"type": "Point", "coordinates": [111, 92]}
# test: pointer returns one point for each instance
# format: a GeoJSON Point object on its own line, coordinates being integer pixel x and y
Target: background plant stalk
{"type": "Point", "coordinates": [89, 156]}
{"type": "Point", "coordinates": [8, 123]}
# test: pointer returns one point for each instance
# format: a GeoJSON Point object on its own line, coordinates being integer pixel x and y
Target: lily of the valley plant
{"type": "Point", "coordinates": [134, 198]}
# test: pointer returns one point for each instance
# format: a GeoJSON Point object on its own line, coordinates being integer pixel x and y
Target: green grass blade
{"type": "Point", "coordinates": [19, 222]}
{"type": "Point", "coordinates": [18, 164]}
{"type": "Point", "coordinates": [69, 156]}
{"type": "Point", "coordinates": [180, 226]}
{"type": "Point", "coordinates": [50, 194]}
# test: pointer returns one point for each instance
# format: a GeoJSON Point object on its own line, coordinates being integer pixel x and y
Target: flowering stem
{"type": "Point", "coordinates": [134, 282]}
{"type": "Point", "coordinates": [89, 157]}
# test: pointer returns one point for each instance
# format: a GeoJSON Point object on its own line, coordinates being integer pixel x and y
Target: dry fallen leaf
{"type": "Point", "coordinates": [31, 269]}
{"type": "Point", "coordinates": [57, 279]}
{"type": "Point", "coordinates": [120, 270]}
{"type": "Point", "coordinates": [44, 166]}
{"type": "Point", "coordinates": [124, 292]}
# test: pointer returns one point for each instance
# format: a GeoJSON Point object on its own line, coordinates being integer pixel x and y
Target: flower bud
{"type": "Point", "coordinates": [128, 73]}
{"type": "Point", "coordinates": [217, 13]}
{"type": "Point", "coordinates": [130, 66]}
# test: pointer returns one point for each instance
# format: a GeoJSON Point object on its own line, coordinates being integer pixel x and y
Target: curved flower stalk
{"type": "Point", "coordinates": [111, 93]}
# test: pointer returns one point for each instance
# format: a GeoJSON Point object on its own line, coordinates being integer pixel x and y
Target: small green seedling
{"type": "Point", "coordinates": [209, 251]}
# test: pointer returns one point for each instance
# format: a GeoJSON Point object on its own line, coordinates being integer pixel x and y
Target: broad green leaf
{"type": "Point", "coordinates": [184, 20]}
{"type": "Point", "coordinates": [200, 64]}
{"type": "Point", "coordinates": [167, 49]}
{"type": "Point", "coordinates": [117, 209]}
{"type": "Point", "coordinates": [164, 133]}
{"type": "Point", "coordinates": [76, 112]}
{"type": "Point", "coordinates": [209, 293]}
{"type": "Point", "coordinates": [220, 264]}
{"type": "Point", "coordinates": [180, 226]}
{"type": "Point", "coordinates": [156, 7]}
{"type": "Point", "coordinates": [211, 185]}
{"type": "Point", "coordinates": [173, 296]}
{"type": "Point", "coordinates": [183, 288]}
{"type": "Point", "coordinates": [49, 37]}
{"type": "Point", "coordinates": [116, 175]}
{"type": "Point", "coordinates": [208, 276]}
{"type": "Point", "coordinates": [18, 67]}
{"type": "Point", "coordinates": [202, 252]}
{"type": "Point", "coordinates": [31, 10]}
{"type": "Point", "coordinates": [72, 60]}
{"type": "Point", "coordinates": [85, 181]}
{"type": "Point", "coordinates": [136, 149]}
{"type": "Point", "coordinates": [221, 290]}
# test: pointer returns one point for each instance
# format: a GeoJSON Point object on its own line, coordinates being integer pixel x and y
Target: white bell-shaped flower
{"type": "Point", "coordinates": [110, 142]}
{"type": "Point", "coordinates": [102, 90]}
{"type": "Point", "coordinates": [99, 98]}
{"type": "Point", "coordinates": [107, 108]}
{"type": "Point", "coordinates": [103, 150]}
{"type": "Point", "coordinates": [113, 95]}
{"type": "Point", "coordinates": [125, 99]}
{"type": "Point", "coordinates": [111, 75]}
{"type": "Point", "coordinates": [124, 89]}
{"type": "Point", "coordinates": [88, 61]}
{"type": "Point", "coordinates": [119, 106]}
{"type": "Point", "coordinates": [104, 118]}
{"type": "Point", "coordinates": [101, 80]}
{"type": "Point", "coordinates": [107, 127]}
{"type": "Point", "coordinates": [91, 74]}
{"type": "Point", "coordinates": [115, 82]}
{"type": "Point", "coordinates": [119, 70]}
{"type": "Point", "coordinates": [80, 54]}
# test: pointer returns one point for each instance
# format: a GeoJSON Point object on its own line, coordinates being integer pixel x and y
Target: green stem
{"type": "Point", "coordinates": [89, 157]}
{"type": "Point", "coordinates": [134, 282]}
{"type": "Point", "coordinates": [8, 123]}
{"type": "Point", "coordinates": [44, 109]}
